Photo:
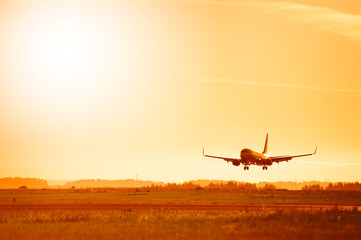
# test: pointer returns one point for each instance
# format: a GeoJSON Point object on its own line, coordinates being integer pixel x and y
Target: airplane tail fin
{"type": "Point", "coordinates": [265, 145]}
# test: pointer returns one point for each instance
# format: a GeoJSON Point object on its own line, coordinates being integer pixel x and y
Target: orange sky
{"type": "Point", "coordinates": [112, 89]}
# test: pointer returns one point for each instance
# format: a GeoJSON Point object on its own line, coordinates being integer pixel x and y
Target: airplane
{"type": "Point", "coordinates": [250, 157]}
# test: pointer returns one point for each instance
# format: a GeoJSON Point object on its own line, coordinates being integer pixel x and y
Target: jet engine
{"type": "Point", "coordinates": [268, 162]}
{"type": "Point", "coordinates": [236, 162]}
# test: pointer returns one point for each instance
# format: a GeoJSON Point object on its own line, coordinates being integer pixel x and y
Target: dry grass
{"type": "Point", "coordinates": [109, 196]}
{"type": "Point", "coordinates": [129, 224]}
{"type": "Point", "coordinates": [165, 224]}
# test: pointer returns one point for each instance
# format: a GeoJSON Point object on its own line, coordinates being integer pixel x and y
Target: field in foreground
{"type": "Point", "coordinates": [165, 224]}
{"type": "Point", "coordinates": [133, 214]}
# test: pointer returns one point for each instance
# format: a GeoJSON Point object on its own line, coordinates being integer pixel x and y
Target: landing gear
{"type": "Point", "coordinates": [264, 168]}
{"type": "Point", "coordinates": [246, 168]}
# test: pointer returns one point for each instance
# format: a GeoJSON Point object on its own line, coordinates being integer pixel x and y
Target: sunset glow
{"type": "Point", "coordinates": [119, 89]}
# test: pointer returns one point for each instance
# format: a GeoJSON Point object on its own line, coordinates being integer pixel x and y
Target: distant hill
{"type": "Point", "coordinates": [55, 183]}
{"type": "Point", "coordinates": [96, 183]}
{"type": "Point", "coordinates": [17, 182]}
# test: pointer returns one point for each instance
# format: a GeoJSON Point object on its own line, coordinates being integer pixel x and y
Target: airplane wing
{"type": "Point", "coordinates": [278, 159]}
{"type": "Point", "coordinates": [224, 158]}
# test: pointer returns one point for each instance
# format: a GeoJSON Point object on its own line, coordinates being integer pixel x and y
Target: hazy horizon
{"type": "Point", "coordinates": [36, 183]}
{"type": "Point", "coordinates": [135, 89]}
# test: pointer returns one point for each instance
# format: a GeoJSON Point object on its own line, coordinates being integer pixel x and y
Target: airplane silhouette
{"type": "Point", "coordinates": [250, 157]}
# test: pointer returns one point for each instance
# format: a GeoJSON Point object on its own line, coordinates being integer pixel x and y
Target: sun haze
{"type": "Point", "coordinates": [119, 89]}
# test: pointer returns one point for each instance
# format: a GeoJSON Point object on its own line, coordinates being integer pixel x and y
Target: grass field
{"type": "Point", "coordinates": [129, 223]}
{"type": "Point", "coordinates": [97, 196]}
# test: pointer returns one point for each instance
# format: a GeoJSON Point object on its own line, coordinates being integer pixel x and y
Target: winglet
{"type": "Point", "coordinates": [315, 150]}
{"type": "Point", "coordinates": [265, 145]}
{"type": "Point", "coordinates": [203, 151]}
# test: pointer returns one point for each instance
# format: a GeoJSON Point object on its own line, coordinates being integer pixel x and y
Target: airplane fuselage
{"type": "Point", "coordinates": [249, 156]}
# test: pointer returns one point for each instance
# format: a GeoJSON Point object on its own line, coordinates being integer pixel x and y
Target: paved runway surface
{"type": "Point", "coordinates": [179, 207]}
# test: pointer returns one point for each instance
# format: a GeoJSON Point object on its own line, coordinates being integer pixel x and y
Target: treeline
{"type": "Point", "coordinates": [356, 186]}
{"type": "Point", "coordinates": [230, 185]}
{"type": "Point", "coordinates": [17, 182]}
{"type": "Point", "coordinates": [289, 185]}
{"type": "Point", "coordinates": [243, 186]}
{"type": "Point", "coordinates": [36, 183]}
{"type": "Point", "coordinates": [293, 185]}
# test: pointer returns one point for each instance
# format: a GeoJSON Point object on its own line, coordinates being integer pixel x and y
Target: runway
{"type": "Point", "coordinates": [168, 206]}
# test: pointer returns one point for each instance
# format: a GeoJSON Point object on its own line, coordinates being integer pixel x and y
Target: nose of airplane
{"type": "Point", "coordinates": [244, 152]}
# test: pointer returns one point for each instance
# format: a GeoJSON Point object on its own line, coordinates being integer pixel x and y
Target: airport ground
{"type": "Point", "coordinates": [185, 214]}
